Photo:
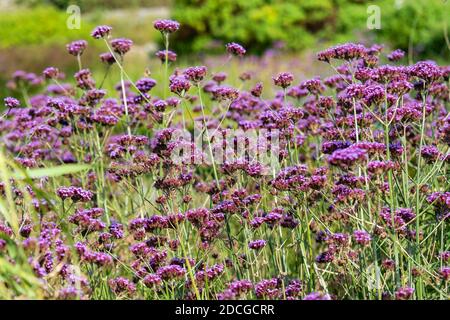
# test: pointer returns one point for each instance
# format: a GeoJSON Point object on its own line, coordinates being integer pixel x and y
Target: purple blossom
{"type": "Point", "coordinates": [166, 26]}
{"type": "Point", "coordinates": [170, 55]}
{"type": "Point", "coordinates": [76, 48]}
{"type": "Point", "coordinates": [396, 55]}
{"type": "Point", "coordinates": [121, 45]}
{"type": "Point", "coordinates": [74, 193]}
{"type": "Point", "coordinates": [283, 80]}
{"type": "Point", "coordinates": [257, 244]}
{"type": "Point", "coordinates": [235, 49]}
{"type": "Point", "coordinates": [101, 32]}
{"type": "Point", "coordinates": [11, 102]}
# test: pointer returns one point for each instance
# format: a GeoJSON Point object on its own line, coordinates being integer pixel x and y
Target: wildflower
{"type": "Point", "coordinates": [404, 293]}
{"type": "Point", "coordinates": [294, 288]}
{"type": "Point", "coordinates": [235, 49]}
{"type": "Point", "coordinates": [74, 193]}
{"type": "Point", "coordinates": [179, 85]}
{"type": "Point", "coordinates": [219, 77]}
{"type": "Point", "coordinates": [225, 93]}
{"type": "Point", "coordinates": [171, 56]}
{"type": "Point", "coordinates": [257, 244]}
{"type": "Point", "coordinates": [257, 90]}
{"type": "Point", "coordinates": [171, 272]}
{"type": "Point", "coordinates": [107, 58]}
{"type": "Point", "coordinates": [348, 51]}
{"type": "Point", "coordinates": [347, 157]}
{"type": "Point", "coordinates": [121, 45]}
{"type": "Point", "coordinates": [195, 74]}
{"type": "Point", "coordinates": [166, 26]}
{"type": "Point", "coordinates": [101, 32]}
{"type": "Point", "coordinates": [378, 167]}
{"type": "Point", "coordinates": [152, 280]}
{"type": "Point", "coordinates": [425, 70]}
{"type": "Point", "coordinates": [120, 285]}
{"type": "Point", "coordinates": [76, 48]}
{"type": "Point", "coordinates": [145, 84]}
{"type": "Point", "coordinates": [84, 79]}
{"type": "Point", "coordinates": [267, 289]}
{"type": "Point", "coordinates": [445, 256]}
{"type": "Point", "coordinates": [317, 296]}
{"type": "Point", "coordinates": [240, 287]}
{"type": "Point", "coordinates": [314, 86]}
{"type": "Point", "coordinates": [325, 257]}
{"type": "Point", "coordinates": [396, 55]}
{"type": "Point", "coordinates": [444, 272]}
{"type": "Point", "coordinates": [11, 102]}
{"type": "Point", "coordinates": [388, 264]}
{"type": "Point", "coordinates": [430, 153]}
{"type": "Point", "coordinates": [283, 80]}
{"type": "Point", "coordinates": [362, 237]}
{"type": "Point", "coordinates": [51, 73]}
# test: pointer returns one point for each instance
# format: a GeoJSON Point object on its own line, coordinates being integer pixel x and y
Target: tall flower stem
{"type": "Point", "coordinates": [166, 64]}
{"type": "Point", "coordinates": [417, 182]}
{"type": "Point", "coordinates": [125, 103]}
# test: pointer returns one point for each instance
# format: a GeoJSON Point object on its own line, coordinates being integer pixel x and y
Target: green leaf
{"type": "Point", "coordinates": [50, 172]}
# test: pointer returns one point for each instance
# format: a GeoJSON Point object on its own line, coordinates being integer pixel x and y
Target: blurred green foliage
{"type": "Point", "coordinates": [91, 5]}
{"type": "Point", "coordinates": [300, 24]}
{"type": "Point", "coordinates": [40, 25]}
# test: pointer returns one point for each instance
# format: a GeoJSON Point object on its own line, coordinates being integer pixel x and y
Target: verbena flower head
{"type": "Point", "coordinates": [345, 158]}
{"type": "Point", "coordinates": [195, 74]}
{"type": "Point", "coordinates": [51, 73]}
{"type": "Point", "coordinates": [179, 85]}
{"type": "Point", "coordinates": [171, 56]}
{"type": "Point", "coordinates": [348, 51]}
{"type": "Point", "coordinates": [257, 90]}
{"type": "Point", "coordinates": [121, 285]}
{"type": "Point", "coordinates": [101, 32]}
{"type": "Point", "coordinates": [107, 58]}
{"type": "Point", "coordinates": [84, 79]}
{"type": "Point", "coordinates": [225, 93]}
{"type": "Point", "coordinates": [171, 272]}
{"type": "Point", "coordinates": [152, 280]}
{"type": "Point", "coordinates": [425, 70]}
{"type": "Point", "coordinates": [257, 244]}
{"type": "Point", "coordinates": [235, 49]}
{"type": "Point", "coordinates": [396, 55]}
{"type": "Point", "coordinates": [283, 79]}
{"type": "Point", "coordinates": [74, 193]}
{"type": "Point", "coordinates": [145, 84]}
{"type": "Point", "coordinates": [444, 272]}
{"type": "Point", "coordinates": [121, 45]}
{"type": "Point", "coordinates": [11, 102]}
{"type": "Point", "coordinates": [404, 293]}
{"type": "Point", "coordinates": [362, 237]}
{"type": "Point", "coordinates": [76, 48]}
{"type": "Point", "coordinates": [166, 26]}
{"type": "Point", "coordinates": [317, 296]}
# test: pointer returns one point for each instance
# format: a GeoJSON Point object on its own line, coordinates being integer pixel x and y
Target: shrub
{"type": "Point", "coordinates": [258, 22]}
{"type": "Point", "coordinates": [89, 5]}
{"type": "Point", "coordinates": [40, 25]}
{"type": "Point", "coordinates": [300, 24]}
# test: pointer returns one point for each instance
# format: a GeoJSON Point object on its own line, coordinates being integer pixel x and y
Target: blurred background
{"type": "Point", "coordinates": [33, 33]}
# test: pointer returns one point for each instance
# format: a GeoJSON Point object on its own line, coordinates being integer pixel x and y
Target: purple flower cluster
{"type": "Point", "coordinates": [121, 45]}
{"type": "Point", "coordinates": [74, 193]}
{"type": "Point", "coordinates": [283, 80]}
{"type": "Point", "coordinates": [101, 32]}
{"type": "Point", "coordinates": [166, 26]}
{"type": "Point", "coordinates": [76, 48]}
{"type": "Point", "coordinates": [235, 49]}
